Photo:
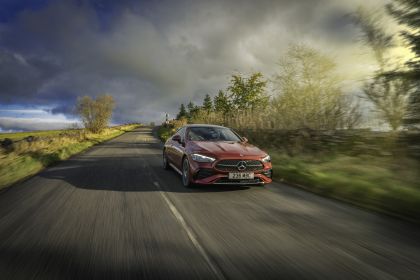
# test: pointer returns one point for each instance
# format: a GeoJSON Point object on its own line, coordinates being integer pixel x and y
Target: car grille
{"type": "Point", "coordinates": [231, 165]}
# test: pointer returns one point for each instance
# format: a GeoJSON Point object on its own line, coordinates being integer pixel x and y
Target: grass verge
{"type": "Point", "coordinates": [164, 132]}
{"type": "Point", "coordinates": [390, 185]}
{"type": "Point", "coordinates": [28, 159]}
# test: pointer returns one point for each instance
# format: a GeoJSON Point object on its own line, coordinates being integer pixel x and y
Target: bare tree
{"type": "Point", "coordinates": [407, 13]}
{"type": "Point", "coordinates": [309, 93]}
{"type": "Point", "coordinates": [95, 113]}
{"type": "Point", "coordinates": [389, 94]}
{"type": "Point", "coordinates": [373, 35]}
{"type": "Point", "coordinates": [390, 98]}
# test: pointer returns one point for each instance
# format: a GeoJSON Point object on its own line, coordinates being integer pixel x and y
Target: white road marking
{"type": "Point", "coordinates": [190, 233]}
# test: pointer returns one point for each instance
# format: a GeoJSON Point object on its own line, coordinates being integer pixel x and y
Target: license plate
{"type": "Point", "coordinates": [241, 175]}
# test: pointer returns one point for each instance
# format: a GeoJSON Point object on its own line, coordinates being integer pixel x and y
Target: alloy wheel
{"type": "Point", "coordinates": [165, 161]}
{"type": "Point", "coordinates": [186, 173]}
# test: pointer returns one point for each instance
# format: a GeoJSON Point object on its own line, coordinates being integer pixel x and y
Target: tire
{"type": "Point", "coordinates": [165, 162]}
{"type": "Point", "coordinates": [186, 180]}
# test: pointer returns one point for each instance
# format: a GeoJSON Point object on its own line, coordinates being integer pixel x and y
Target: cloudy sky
{"type": "Point", "coordinates": [152, 55]}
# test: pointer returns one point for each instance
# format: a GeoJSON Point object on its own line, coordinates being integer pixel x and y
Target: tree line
{"type": "Point", "coordinates": [306, 92]}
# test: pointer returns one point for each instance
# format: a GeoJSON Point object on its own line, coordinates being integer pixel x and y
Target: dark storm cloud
{"type": "Point", "coordinates": [9, 8]}
{"type": "Point", "coordinates": [149, 55]}
{"type": "Point", "coordinates": [22, 77]}
{"type": "Point", "coordinates": [68, 110]}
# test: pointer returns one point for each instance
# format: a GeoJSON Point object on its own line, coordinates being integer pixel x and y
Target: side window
{"type": "Point", "coordinates": [181, 133]}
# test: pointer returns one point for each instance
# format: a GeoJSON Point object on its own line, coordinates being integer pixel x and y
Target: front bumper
{"type": "Point", "coordinates": [207, 174]}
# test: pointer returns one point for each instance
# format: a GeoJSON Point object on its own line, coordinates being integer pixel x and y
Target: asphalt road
{"type": "Point", "coordinates": [114, 213]}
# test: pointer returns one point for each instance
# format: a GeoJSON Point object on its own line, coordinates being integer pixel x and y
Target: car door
{"type": "Point", "coordinates": [178, 149]}
{"type": "Point", "coordinates": [168, 150]}
{"type": "Point", "coordinates": [169, 147]}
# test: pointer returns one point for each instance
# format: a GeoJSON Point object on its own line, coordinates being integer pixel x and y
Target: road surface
{"type": "Point", "coordinates": [115, 213]}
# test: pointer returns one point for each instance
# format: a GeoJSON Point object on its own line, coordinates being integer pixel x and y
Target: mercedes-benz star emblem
{"type": "Point", "coordinates": [241, 165]}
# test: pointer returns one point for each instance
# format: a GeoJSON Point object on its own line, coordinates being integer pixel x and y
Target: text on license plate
{"type": "Point", "coordinates": [241, 175]}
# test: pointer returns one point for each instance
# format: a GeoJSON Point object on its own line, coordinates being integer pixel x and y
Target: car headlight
{"type": "Point", "coordinates": [202, 158]}
{"type": "Point", "coordinates": [266, 159]}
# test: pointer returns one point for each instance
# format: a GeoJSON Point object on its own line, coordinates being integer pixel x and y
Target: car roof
{"type": "Point", "coordinates": [203, 125]}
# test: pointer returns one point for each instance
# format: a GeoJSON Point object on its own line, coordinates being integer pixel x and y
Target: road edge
{"type": "Point", "coordinates": [28, 177]}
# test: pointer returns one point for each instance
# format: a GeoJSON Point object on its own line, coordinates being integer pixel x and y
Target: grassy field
{"type": "Point", "coordinates": [381, 183]}
{"type": "Point", "coordinates": [29, 158]}
{"type": "Point", "coordinates": [44, 133]}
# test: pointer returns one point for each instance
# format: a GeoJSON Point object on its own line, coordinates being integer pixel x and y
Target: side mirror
{"type": "Point", "coordinates": [176, 138]}
{"type": "Point", "coordinates": [244, 139]}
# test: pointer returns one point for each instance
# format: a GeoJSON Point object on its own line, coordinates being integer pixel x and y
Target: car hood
{"type": "Point", "coordinates": [226, 148]}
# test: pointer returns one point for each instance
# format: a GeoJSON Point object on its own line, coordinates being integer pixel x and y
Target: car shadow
{"type": "Point", "coordinates": [125, 172]}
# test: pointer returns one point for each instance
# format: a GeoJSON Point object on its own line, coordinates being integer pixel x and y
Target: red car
{"type": "Point", "coordinates": [210, 154]}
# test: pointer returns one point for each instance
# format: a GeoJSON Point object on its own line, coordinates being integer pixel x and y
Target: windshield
{"type": "Point", "coordinates": [212, 134]}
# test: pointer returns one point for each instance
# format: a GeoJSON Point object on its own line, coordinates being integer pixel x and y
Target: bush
{"type": "Point", "coordinates": [95, 114]}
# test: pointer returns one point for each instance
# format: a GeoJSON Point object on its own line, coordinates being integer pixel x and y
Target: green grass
{"type": "Point", "coordinates": [29, 158]}
{"type": "Point", "coordinates": [43, 133]}
{"type": "Point", "coordinates": [385, 184]}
